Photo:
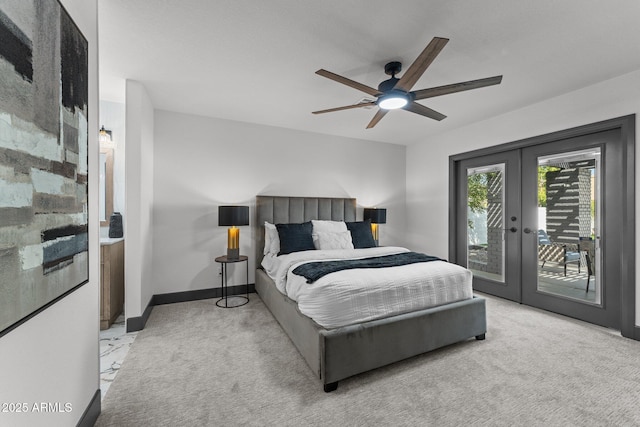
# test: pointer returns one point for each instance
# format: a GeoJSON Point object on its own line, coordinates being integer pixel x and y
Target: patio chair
{"type": "Point", "coordinates": [561, 253]}
{"type": "Point", "coordinates": [587, 246]}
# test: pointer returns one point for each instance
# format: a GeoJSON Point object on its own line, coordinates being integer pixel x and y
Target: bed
{"type": "Point", "coordinates": [336, 353]}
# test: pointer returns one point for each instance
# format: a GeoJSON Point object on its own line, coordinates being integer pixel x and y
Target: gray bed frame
{"type": "Point", "coordinates": [336, 354]}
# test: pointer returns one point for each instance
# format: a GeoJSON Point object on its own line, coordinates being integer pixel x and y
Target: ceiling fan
{"type": "Point", "coordinates": [396, 93]}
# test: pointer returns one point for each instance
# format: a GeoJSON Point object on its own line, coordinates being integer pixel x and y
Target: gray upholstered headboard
{"type": "Point", "coordinates": [286, 210]}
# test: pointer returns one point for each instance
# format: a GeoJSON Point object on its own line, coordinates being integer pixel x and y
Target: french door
{"type": "Point", "coordinates": [541, 224]}
{"type": "Point", "coordinates": [572, 247]}
{"type": "Point", "coordinates": [488, 226]}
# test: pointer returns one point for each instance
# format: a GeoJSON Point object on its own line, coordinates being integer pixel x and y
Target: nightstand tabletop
{"type": "Point", "coordinates": [224, 259]}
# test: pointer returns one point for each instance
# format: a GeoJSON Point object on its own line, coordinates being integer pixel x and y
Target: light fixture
{"type": "Point", "coordinates": [393, 100]}
{"type": "Point", "coordinates": [376, 216]}
{"type": "Point", "coordinates": [104, 136]}
{"type": "Point", "coordinates": [233, 216]}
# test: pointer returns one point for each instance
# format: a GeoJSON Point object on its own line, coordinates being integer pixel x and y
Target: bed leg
{"type": "Point", "coordinates": [328, 388]}
{"type": "Point", "coordinates": [480, 337]}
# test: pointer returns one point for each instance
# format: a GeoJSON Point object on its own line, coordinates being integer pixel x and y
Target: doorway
{"type": "Point", "coordinates": [549, 222]}
{"type": "Point", "coordinates": [488, 190]}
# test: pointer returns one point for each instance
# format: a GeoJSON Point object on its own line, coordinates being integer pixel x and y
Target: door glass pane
{"type": "Point", "coordinates": [485, 222]}
{"type": "Point", "coordinates": [568, 225]}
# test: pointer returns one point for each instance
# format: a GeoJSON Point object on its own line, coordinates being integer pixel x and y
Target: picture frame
{"type": "Point", "coordinates": [44, 218]}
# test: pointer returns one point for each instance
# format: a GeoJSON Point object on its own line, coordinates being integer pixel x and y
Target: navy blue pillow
{"type": "Point", "coordinates": [295, 237]}
{"type": "Point", "coordinates": [361, 234]}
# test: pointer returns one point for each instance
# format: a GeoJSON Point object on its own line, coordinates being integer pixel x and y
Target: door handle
{"type": "Point", "coordinates": [527, 230]}
{"type": "Point", "coordinates": [512, 229]}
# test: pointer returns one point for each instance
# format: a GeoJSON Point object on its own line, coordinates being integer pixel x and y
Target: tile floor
{"type": "Point", "coordinates": [573, 285]}
{"type": "Point", "coordinates": [114, 346]}
{"type": "Point", "coordinates": [551, 279]}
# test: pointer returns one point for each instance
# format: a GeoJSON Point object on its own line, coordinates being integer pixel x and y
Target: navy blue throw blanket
{"type": "Point", "coordinates": [313, 271]}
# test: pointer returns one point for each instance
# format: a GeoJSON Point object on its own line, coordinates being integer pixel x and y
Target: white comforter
{"type": "Point", "coordinates": [353, 296]}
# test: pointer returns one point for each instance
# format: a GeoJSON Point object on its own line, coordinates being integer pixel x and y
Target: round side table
{"type": "Point", "coordinates": [225, 261]}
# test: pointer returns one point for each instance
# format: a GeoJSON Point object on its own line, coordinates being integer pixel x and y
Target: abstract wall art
{"type": "Point", "coordinates": [43, 158]}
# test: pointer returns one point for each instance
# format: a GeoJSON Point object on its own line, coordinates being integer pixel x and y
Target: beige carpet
{"type": "Point", "coordinates": [198, 365]}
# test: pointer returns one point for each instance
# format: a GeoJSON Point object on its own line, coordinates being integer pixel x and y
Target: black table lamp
{"type": "Point", "coordinates": [377, 216]}
{"type": "Point", "coordinates": [233, 216]}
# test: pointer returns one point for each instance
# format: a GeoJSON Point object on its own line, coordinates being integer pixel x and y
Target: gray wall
{"type": "Point", "coordinates": [53, 357]}
{"type": "Point", "coordinates": [428, 168]}
{"type": "Point", "coordinates": [139, 167]}
{"type": "Point", "coordinates": [201, 163]}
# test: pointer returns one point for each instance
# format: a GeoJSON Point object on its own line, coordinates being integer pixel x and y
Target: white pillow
{"type": "Point", "coordinates": [328, 241]}
{"type": "Point", "coordinates": [320, 226]}
{"type": "Point", "coordinates": [271, 239]}
{"type": "Point", "coordinates": [267, 238]}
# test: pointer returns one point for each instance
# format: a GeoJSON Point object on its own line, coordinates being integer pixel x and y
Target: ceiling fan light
{"type": "Point", "coordinates": [393, 102]}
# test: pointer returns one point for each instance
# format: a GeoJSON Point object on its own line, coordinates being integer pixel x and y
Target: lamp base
{"type": "Point", "coordinates": [233, 254]}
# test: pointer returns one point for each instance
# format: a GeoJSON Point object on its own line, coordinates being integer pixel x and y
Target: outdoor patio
{"type": "Point", "coordinates": [551, 279]}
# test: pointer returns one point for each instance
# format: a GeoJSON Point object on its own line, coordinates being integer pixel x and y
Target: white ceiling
{"type": "Point", "coordinates": [255, 61]}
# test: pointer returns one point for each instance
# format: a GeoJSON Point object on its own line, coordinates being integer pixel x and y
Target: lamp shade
{"type": "Point", "coordinates": [233, 215]}
{"type": "Point", "coordinates": [377, 216]}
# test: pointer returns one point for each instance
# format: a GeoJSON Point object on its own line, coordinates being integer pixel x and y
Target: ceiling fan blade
{"type": "Point", "coordinates": [345, 81]}
{"type": "Point", "coordinates": [456, 87]}
{"type": "Point", "coordinates": [415, 71]}
{"type": "Point", "coordinates": [414, 107]}
{"type": "Point", "coordinates": [346, 107]}
{"type": "Point", "coordinates": [379, 115]}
